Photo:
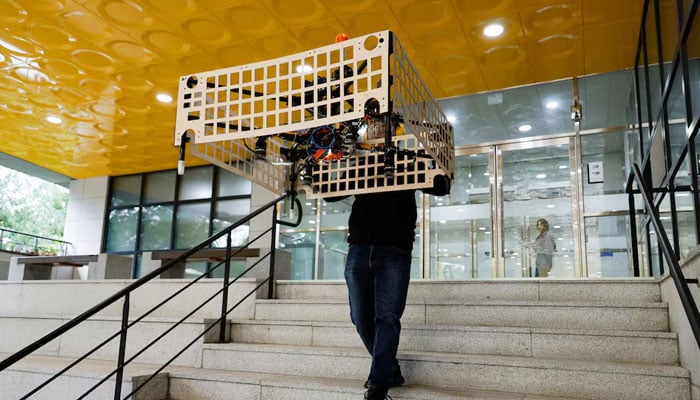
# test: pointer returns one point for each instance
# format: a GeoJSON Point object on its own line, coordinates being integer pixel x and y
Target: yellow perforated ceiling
{"type": "Point", "coordinates": [99, 64]}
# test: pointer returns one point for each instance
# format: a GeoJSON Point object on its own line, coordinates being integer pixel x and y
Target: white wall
{"type": "Point", "coordinates": [85, 214]}
{"type": "Point", "coordinates": [687, 346]}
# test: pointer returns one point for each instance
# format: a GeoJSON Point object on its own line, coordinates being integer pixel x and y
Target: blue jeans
{"type": "Point", "coordinates": [377, 280]}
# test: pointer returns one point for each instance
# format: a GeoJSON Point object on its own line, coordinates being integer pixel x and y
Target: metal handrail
{"type": "Point", "coordinates": [36, 249]}
{"type": "Point", "coordinates": [125, 294]}
{"type": "Point", "coordinates": [681, 283]}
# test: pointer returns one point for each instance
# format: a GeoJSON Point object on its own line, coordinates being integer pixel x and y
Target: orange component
{"type": "Point", "coordinates": [341, 37]}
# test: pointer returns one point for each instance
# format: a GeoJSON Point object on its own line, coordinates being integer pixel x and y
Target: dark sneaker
{"type": "Point", "coordinates": [377, 394]}
{"type": "Point", "coordinates": [397, 380]}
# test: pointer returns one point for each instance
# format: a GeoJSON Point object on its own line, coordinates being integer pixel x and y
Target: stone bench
{"type": "Point", "coordinates": [155, 259]}
{"type": "Point", "coordinates": [92, 266]}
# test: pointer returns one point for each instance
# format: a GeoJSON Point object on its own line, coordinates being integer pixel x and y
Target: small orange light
{"type": "Point", "coordinates": [341, 37]}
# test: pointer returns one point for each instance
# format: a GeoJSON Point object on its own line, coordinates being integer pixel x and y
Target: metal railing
{"type": "Point", "coordinates": [25, 243]}
{"type": "Point", "coordinates": [125, 295]}
{"type": "Point", "coordinates": [674, 268]}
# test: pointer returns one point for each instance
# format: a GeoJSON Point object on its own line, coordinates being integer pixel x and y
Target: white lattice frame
{"type": "Point", "coordinates": [224, 110]}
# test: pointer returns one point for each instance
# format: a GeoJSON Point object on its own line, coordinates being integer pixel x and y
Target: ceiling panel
{"type": "Point", "coordinates": [99, 64]}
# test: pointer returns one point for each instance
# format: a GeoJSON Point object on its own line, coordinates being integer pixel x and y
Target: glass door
{"type": "Point", "coordinates": [488, 227]}
{"type": "Point", "coordinates": [461, 244]}
{"type": "Point", "coordinates": [534, 209]}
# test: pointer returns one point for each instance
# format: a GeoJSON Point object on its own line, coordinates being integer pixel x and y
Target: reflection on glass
{"type": "Point", "coordinates": [159, 187]}
{"type": "Point", "coordinates": [451, 250]}
{"type": "Point", "coordinates": [602, 92]}
{"type": "Point", "coordinates": [196, 184]}
{"type": "Point", "coordinates": [126, 190]}
{"type": "Point", "coordinates": [230, 184]}
{"type": "Point", "coordinates": [332, 255]}
{"type": "Point", "coordinates": [333, 245]}
{"type": "Point", "coordinates": [301, 241]}
{"type": "Point", "coordinates": [192, 224]}
{"type": "Point", "coordinates": [607, 247]}
{"type": "Point", "coordinates": [227, 212]}
{"type": "Point", "coordinates": [302, 246]}
{"type": "Point", "coordinates": [121, 234]}
{"type": "Point", "coordinates": [156, 227]}
{"type": "Point", "coordinates": [460, 224]}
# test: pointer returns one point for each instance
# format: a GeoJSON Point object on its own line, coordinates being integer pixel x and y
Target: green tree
{"type": "Point", "coordinates": [31, 205]}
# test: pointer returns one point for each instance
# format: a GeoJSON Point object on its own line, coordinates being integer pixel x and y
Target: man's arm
{"type": "Point", "coordinates": [441, 186]}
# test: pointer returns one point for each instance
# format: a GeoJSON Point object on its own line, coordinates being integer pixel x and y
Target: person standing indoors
{"type": "Point", "coordinates": [544, 245]}
{"type": "Point", "coordinates": [377, 273]}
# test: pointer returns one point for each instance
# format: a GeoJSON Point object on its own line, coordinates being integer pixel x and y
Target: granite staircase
{"type": "Point", "coordinates": [510, 339]}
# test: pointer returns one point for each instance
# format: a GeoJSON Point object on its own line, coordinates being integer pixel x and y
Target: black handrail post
{"type": "Point", "coordinates": [224, 294]}
{"type": "Point", "coordinates": [633, 227]}
{"type": "Point", "coordinates": [273, 244]}
{"type": "Point", "coordinates": [122, 349]}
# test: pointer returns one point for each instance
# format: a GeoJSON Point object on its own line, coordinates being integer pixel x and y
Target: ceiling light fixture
{"type": "Point", "coordinates": [54, 120]}
{"type": "Point", "coordinates": [525, 128]}
{"type": "Point", "coordinates": [304, 69]}
{"type": "Point", "coordinates": [552, 105]}
{"type": "Point", "coordinates": [164, 98]}
{"type": "Point", "coordinates": [541, 176]}
{"type": "Point", "coordinates": [451, 118]}
{"type": "Point", "coordinates": [493, 30]}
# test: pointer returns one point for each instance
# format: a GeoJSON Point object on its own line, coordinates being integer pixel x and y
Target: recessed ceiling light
{"type": "Point", "coordinates": [541, 176]}
{"type": "Point", "coordinates": [304, 69]}
{"type": "Point", "coordinates": [552, 105]}
{"type": "Point", "coordinates": [493, 30]}
{"type": "Point", "coordinates": [525, 128]}
{"type": "Point", "coordinates": [54, 119]}
{"type": "Point", "coordinates": [563, 166]}
{"type": "Point", "coordinates": [451, 118]}
{"type": "Point", "coordinates": [550, 205]}
{"type": "Point", "coordinates": [164, 98]}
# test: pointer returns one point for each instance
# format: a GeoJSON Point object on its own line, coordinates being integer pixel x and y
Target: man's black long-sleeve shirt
{"type": "Point", "coordinates": [384, 219]}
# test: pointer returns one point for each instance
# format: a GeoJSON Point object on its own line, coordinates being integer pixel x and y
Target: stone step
{"type": "Point", "coordinates": [527, 314]}
{"type": "Point", "coordinates": [636, 290]}
{"type": "Point", "coordinates": [205, 384]}
{"type": "Point", "coordinates": [592, 345]}
{"type": "Point", "coordinates": [535, 376]}
{"type": "Point", "coordinates": [24, 376]}
{"type": "Point", "coordinates": [23, 330]}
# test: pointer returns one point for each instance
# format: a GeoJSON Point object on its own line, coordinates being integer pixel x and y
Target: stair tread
{"type": "Point", "coordinates": [468, 328]}
{"type": "Point", "coordinates": [524, 303]}
{"type": "Point", "coordinates": [349, 386]}
{"type": "Point", "coordinates": [485, 359]}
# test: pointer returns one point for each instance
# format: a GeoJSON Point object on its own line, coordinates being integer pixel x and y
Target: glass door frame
{"type": "Point", "coordinates": [495, 168]}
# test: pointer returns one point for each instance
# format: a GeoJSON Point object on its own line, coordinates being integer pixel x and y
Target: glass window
{"type": "Point", "coordinates": [607, 247]}
{"type": "Point", "coordinates": [498, 115]}
{"type": "Point", "coordinates": [121, 232]}
{"type": "Point", "coordinates": [227, 212]}
{"type": "Point", "coordinates": [460, 224]}
{"type": "Point", "coordinates": [159, 187]}
{"type": "Point", "coordinates": [332, 254]}
{"type": "Point", "coordinates": [230, 184]}
{"type": "Point", "coordinates": [302, 245]}
{"type": "Point", "coordinates": [609, 151]}
{"type": "Point", "coordinates": [601, 93]}
{"type": "Point", "coordinates": [156, 227]}
{"type": "Point", "coordinates": [196, 184]}
{"type": "Point", "coordinates": [191, 225]}
{"type": "Point", "coordinates": [333, 238]}
{"type": "Point", "coordinates": [693, 46]}
{"type": "Point", "coordinates": [126, 190]}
